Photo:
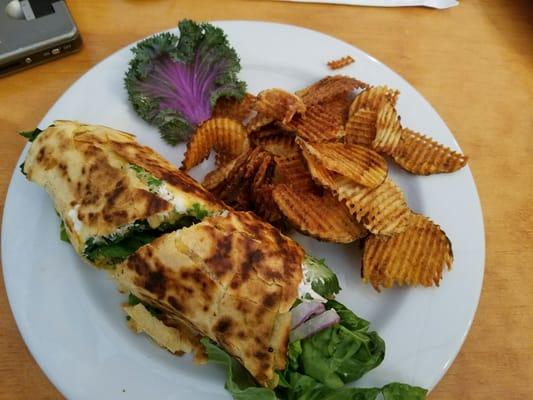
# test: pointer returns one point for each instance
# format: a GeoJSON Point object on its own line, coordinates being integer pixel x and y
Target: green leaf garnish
{"type": "Point", "coordinates": [323, 280]}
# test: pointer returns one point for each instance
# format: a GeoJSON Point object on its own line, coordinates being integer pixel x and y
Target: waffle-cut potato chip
{"type": "Point", "coordinates": [382, 210]}
{"type": "Point", "coordinates": [226, 136]}
{"type": "Point", "coordinates": [223, 158]}
{"type": "Point", "coordinates": [254, 162]}
{"type": "Point", "coordinates": [341, 62]}
{"type": "Point", "coordinates": [372, 97]}
{"type": "Point", "coordinates": [329, 88]}
{"type": "Point", "coordinates": [265, 171]}
{"type": "Point", "coordinates": [235, 182]}
{"type": "Point", "coordinates": [339, 107]}
{"type": "Point", "coordinates": [319, 173]}
{"type": "Point", "coordinates": [317, 125]}
{"type": "Point", "coordinates": [417, 256]}
{"type": "Point", "coordinates": [270, 129]}
{"type": "Point", "coordinates": [293, 171]}
{"type": "Point", "coordinates": [279, 104]}
{"type": "Point", "coordinates": [361, 127]}
{"type": "Point", "coordinates": [265, 206]}
{"type": "Point", "coordinates": [322, 217]}
{"type": "Point", "coordinates": [235, 191]}
{"type": "Point", "coordinates": [421, 155]}
{"type": "Point", "coordinates": [388, 129]}
{"type": "Point", "coordinates": [220, 174]}
{"type": "Point", "coordinates": [231, 108]}
{"type": "Point", "coordinates": [358, 163]}
{"type": "Point", "coordinates": [279, 145]}
{"type": "Point", "coordinates": [257, 121]}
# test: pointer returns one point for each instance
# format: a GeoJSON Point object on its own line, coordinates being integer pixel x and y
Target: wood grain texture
{"type": "Point", "coordinates": [474, 63]}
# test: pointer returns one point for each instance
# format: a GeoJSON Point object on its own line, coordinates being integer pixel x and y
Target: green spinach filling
{"type": "Point", "coordinates": [115, 248]}
{"type": "Point", "coordinates": [151, 181]}
{"type": "Point", "coordinates": [134, 300]}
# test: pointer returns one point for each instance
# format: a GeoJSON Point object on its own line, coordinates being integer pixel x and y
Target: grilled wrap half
{"type": "Point", "coordinates": [112, 193]}
{"type": "Point", "coordinates": [232, 278]}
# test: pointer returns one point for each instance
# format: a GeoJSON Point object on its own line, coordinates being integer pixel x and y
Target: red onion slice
{"type": "Point", "coordinates": [305, 310]}
{"type": "Point", "coordinates": [315, 324]}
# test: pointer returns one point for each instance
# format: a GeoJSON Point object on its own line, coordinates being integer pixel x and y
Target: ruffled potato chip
{"type": "Point", "coordinates": [322, 217]}
{"type": "Point", "coordinates": [417, 256]}
{"type": "Point", "coordinates": [329, 88]}
{"type": "Point", "coordinates": [358, 163]}
{"type": "Point", "coordinates": [372, 98]}
{"type": "Point", "coordinates": [421, 155]}
{"type": "Point", "coordinates": [279, 105]}
{"type": "Point", "coordinates": [226, 136]}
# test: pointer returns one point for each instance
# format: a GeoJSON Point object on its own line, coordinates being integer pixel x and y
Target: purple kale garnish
{"type": "Point", "coordinates": [174, 81]}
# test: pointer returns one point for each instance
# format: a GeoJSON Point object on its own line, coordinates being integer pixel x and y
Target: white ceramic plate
{"type": "Point", "coordinates": [69, 314]}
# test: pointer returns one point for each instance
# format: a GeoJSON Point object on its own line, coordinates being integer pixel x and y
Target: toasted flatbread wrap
{"type": "Point", "coordinates": [232, 278]}
{"type": "Point", "coordinates": [112, 193]}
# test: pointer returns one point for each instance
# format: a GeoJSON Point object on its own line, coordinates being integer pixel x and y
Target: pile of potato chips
{"type": "Point", "coordinates": [314, 161]}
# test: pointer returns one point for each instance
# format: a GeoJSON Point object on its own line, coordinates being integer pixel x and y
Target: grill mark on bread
{"type": "Point", "coordinates": [220, 263]}
{"type": "Point", "coordinates": [176, 304]}
{"type": "Point", "coordinates": [223, 325]}
{"type": "Point", "coordinates": [138, 263]}
{"type": "Point", "coordinates": [113, 195]}
{"type": "Point", "coordinates": [269, 300]}
{"type": "Point", "coordinates": [156, 283]}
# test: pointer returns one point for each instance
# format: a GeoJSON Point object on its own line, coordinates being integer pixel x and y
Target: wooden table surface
{"type": "Point", "coordinates": [474, 63]}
